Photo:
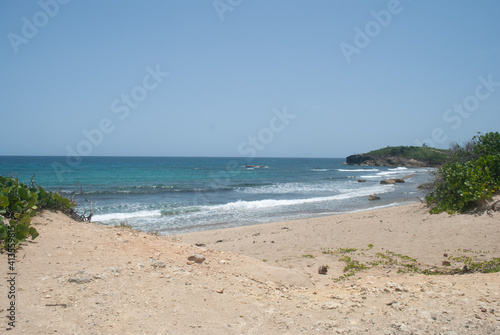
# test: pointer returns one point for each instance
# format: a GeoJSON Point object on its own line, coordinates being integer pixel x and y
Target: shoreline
{"type": "Point", "coordinates": [262, 279]}
{"type": "Point", "coordinates": [216, 226]}
{"type": "Point", "coordinates": [405, 229]}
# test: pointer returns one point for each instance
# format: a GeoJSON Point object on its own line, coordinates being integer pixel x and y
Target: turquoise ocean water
{"type": "Point", "coordinates": [177, 194]}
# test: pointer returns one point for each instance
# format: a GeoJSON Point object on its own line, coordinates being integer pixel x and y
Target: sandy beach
{"type": "Point", "coordinates": [85, 278]}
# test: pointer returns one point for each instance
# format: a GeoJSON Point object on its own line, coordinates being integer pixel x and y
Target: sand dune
{"type": "Point", "coordinates": [83, 278]}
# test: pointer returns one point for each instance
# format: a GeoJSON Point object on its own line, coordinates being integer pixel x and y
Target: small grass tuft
{"type": "Point", "coordinates": [124, 224]}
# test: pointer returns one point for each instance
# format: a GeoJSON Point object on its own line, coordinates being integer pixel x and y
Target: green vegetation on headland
{"type": "Point", "coordinates": [19, 203]}
{"type": "Point", "coordinates": [470, 178]}
{"type": "Point", "coordinates": [424, 154]}
{"type": "Point", "coordinates": [401, 156]}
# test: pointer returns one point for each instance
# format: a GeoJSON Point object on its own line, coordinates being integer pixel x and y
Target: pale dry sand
{"type": "Point", "coordinates": [83, 278]}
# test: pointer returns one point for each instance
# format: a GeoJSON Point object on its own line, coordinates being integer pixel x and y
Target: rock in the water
{"type": "Point", "coordinates": [373, 197]}
{"type": "Point", "coordinates": [322, 270]}
{"type": "Point", "coordinates": [392, 181]}
{"type": "Point", "coordinates": [425, 186]}
{"type": "Point", "coordinates": [361, 180]}
{"type": "Point", "coordinates": [197, 258]}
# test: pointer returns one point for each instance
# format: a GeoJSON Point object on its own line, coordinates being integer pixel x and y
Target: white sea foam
{"type": "Point", "coordinates": [126, 216]}
{"type": "Point", "coordinates": [287, 188]}
{"type": "Point", "coordinates": [396, 172]}
{"type": "Point", "coordinates": [358, 170]}
{"type": "Point", "coordinates": [259, 204]}
{"type": "Point", "coordinates": [320, 170]}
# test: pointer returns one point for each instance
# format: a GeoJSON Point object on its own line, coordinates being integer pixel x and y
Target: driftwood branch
{"type": "Point", "coordinates": [87, 212]}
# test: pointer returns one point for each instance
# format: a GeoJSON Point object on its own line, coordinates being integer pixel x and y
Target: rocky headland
{"type": "Point", "coordinates": [400, 156]}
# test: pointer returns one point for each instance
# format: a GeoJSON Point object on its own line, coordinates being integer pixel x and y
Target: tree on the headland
{"type": "Point", "coordinates": [471, 177]}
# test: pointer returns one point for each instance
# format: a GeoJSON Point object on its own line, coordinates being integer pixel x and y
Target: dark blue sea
{"type": "Point", "coordinates": [172, 195]}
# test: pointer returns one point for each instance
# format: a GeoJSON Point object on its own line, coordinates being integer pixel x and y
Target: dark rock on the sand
{"type": "Point", "coordinates": [361, 180]}
{"type": "Point", "coordinates": [197, 258]}
{"type": "Point", "coordinates": [373, 197]}
{"type": "Point", "coordinates": [83, 279]}
{"type": "Point", "coordinates": [158, 264]}
{"type": "Point", "coordinates": [322, 270]}
{"type": "Point", "coordinates": [201, 245]}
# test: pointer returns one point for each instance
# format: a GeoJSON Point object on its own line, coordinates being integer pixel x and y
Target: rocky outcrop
{"type": "Point", "coordinates": [357, 159]}
{"type": "Point", "coordinates": [410, 156]}
{"type": "Point", "coordinates": [366, 160]}
{"type": "Point", "coordinates": [393, 161]}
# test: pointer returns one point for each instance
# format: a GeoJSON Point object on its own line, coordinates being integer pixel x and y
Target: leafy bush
{"type": "Point", "coordinates": [471, 176]}
{"type": "Point", "coordinates": [19, 203]}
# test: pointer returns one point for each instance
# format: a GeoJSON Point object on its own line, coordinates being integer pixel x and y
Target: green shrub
{"type": "Point", "coordinates": [19, 203]}
{"type": "Point", "coordinates": [478, 146]}
{"type": "Point", "coordinates": [472, 176]}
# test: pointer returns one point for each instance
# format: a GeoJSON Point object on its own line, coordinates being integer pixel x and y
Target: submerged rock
{"type": "Point", "coordinates": [392, 181]}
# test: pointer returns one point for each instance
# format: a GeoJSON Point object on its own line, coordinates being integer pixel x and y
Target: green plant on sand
{"type": "Point", "coordinates": [356, 261]}
{"type": "Point", "coordinates": [19, 203]}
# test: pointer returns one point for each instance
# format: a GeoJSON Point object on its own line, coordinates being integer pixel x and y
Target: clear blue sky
{"type": "Point", "coordinates": [356, 76]}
